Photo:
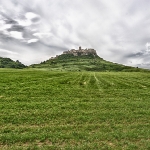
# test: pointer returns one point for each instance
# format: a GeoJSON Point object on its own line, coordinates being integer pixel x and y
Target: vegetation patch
{"type": "Point", "coordinates": [69, 62]}
{"type": "Point", "coordinates": [8, 63]}
{"type": "Point", "coordinates": [41, 109]}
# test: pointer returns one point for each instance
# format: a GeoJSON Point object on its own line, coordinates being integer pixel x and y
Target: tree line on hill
{"type": "Point", "coordinates": [9, 63]}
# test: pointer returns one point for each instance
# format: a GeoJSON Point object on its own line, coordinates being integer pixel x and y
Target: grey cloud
{"type": "Point", "coordinates": [16, 28]}
{"type": "Point", "coordinates": [139, 54]}
{"type": "Point", "coordinates": [118, 30]}
{"type": "Point", "coordinates": [36, 19]}
{"type": "Point", "coordinates": [11, 21]}
{"type": "Point", "coordinates": [28, 34]}
{"type": "Point", "coordinates": [5, 38]}
{"type": "Point", "coordinates": [8, 19]}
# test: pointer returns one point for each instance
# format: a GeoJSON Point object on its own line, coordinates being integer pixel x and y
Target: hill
{"type": "Point", "coordinates": [82, 60]}
{"type": "Point", "coordinates": [9, 63]}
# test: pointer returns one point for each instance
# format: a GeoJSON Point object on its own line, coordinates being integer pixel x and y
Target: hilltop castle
{"type": "Point", "coordinates": [81, 52]}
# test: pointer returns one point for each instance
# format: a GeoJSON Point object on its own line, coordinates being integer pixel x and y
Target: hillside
{"type": "Point", "coordinates": [9, 63]}
{"type": "Point", "coordinates": [82, 60]}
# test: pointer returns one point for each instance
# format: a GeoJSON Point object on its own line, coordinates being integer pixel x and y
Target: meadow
{"type": "Point", "coordinates": [41, 109]}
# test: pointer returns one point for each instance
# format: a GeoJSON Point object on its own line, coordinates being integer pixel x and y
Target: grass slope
{"type": "Point", "coordinates": [74, 110]}
{"type": "Point", "coordinates": [68, 62]}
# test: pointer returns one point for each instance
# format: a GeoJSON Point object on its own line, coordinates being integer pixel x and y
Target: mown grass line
{"type": "Point", "coordinates": [40, 109]}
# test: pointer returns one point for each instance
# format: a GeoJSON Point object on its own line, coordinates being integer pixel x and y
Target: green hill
{"type": "Point", "coordinates": [9, 63]}
{"type": "Point", "coordinates": [88, 62]}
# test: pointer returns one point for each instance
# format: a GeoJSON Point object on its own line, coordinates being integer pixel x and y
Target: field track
{"type": "Point", "coordinates": [40, 109]}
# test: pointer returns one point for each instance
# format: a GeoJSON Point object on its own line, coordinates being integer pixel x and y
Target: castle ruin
{"type": "Point", "coordinates": [81, 52]}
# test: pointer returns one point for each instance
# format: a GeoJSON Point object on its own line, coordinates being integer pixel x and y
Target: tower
{"type": "Point", "coordinates": [79, 47]}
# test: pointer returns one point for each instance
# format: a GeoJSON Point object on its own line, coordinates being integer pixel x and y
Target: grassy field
{"type": "Point", "coordinates": [40, 109]}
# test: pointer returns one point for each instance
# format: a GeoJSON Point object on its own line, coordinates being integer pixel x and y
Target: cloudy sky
{"type": "Point", "coordinates": [32, 31]}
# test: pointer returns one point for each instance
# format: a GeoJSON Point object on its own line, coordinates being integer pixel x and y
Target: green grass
{"type": "Point", "coordinates": [40, 109]}
{"type": "Point", "coordinates": [68, 62]}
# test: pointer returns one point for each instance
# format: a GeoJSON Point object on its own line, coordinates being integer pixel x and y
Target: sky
{"type": "Point", "coordinates": [32, 31]}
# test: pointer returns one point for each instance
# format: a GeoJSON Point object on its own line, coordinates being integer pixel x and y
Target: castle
{"type": "Point", "coordinates": [81, 52]}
